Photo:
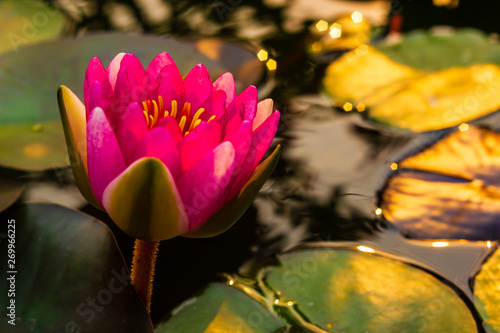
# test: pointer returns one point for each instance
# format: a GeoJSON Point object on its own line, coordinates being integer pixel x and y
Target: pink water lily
{"type": "Point", "coordinates": [165, 155]}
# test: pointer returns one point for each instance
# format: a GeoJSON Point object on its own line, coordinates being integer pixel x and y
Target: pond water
{"type": "Point", "coordinates": [334, 164]}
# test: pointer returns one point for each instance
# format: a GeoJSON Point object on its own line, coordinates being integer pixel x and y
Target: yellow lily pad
{"type": "Point", "coordinates": [359, 73]}
{"type": "Point", "coordinates": [438, 100]}
{"type": "Point", "coordinates": [486, 292]}
{"type": "Point", "coordinates": [450, 190]}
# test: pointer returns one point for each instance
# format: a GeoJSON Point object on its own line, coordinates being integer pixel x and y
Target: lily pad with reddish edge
{"type": "Point", "coordinates": [487, 297]}
{"type": "Point", "coordinates": [450, 190]}
{"type": "Point", "coordinates": [31, 136]}
{"type": "Point", "coordinates": [221, 308]}
{"type": "Point", "coordinates": [69, 274]}
{"type": "Point", "coordinates": [343, 290]}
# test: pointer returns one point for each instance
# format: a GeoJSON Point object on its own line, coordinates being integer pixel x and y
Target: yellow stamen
{"type": "Point", "coordinates": [186, 133]}
{"type": "Point", "coordinates": [155, 114]}
{"type": "Point", "coordinates": [151, 123]}
{"type": "Point", "coordinates": [195, 118]}
{"type": "Point", "coordinates": [211, 118]}
{"type": "Point", "coordinates": [165, 114]}
{"type": "Point", "coordinates": [173, 112]}
{"type": "Point", "coordinates": [196, 123]}
{"type": "Point", "coordinates": [147, 117]}
{"type": "Point", "coordinates": [182, 123]}
{"type": "Point", "coordinates": [145, 106]}
{"type": "Point", "coordinates": [186, 110]}
{"type": "Point", "coordinates": [160, 103]}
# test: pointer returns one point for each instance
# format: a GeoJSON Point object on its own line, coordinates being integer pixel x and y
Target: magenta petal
{"type": "Point", "coordinates": [160, 144]}
{"type": "Point", "coordinates": [194, 146]}
{"type": "Point", "coordinates": [232, 127]}
{"type": "Point", "coordinates": [113, 69]}
{"type": "Point", "coordinates": [131, 130]}
{"type": "Point", "coordinates": [169, 86]}
{"type": "Point", "coordinates": [226, 83]}
{"type": "Point", "coordinates": [172, 126]}
{"type": "Point", "coordinates": [203, 186]}
{"type": "Point", "coordinates": [161, 60]}
{"type": "Point", "coordinates": [245, 103]}
{"type": "Point", "coordinates": [95, 98]}
{"type": "Point", "coordinates": [95, 72]}
{"type": "Point", "coordinates": [130, 84]}
{"type": "Point", "coordinates": [105, 160]}
{"type": "Point", "coordinates": [241, 142]}
{"type": "Point", "coordinates": [215, 105]}
{"type": "Point", "coordinates": [262, 138]}
{"type": "Point", "coordinates": [198, 86]}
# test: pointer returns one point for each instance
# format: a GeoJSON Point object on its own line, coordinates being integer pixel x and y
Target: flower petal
{"type": "Point", "coordinates": [194, 146]}
{"type": "Point", "coordinates": [241, 142]}
{"type": "Point", "coordinates": [159, 143]}
{"type": "Point", "coordinates": [131, 130]}
{"type": "Point", "coordinates": [245, 103]}
{"type": "Point", "coordinates": [170, 87]}
{"type": "Point", "coordinates": [74, 124]}
{"type": "Point", "coordinates": [95, 72]}
{"type": "Point", "coordinates": [198, 86]}
{"type": "Point", "coordinates": [130, 87]}
{"type": "Point", "coordinates": [113, 69]}
{"type": "Point", "coordinates": [214, 105]}
{"type": "Point", "coordinates": [172, 126]}
{"type": "Point", "coordinates": [105, 160]}
{"type": "Point", "coordinates": [203, 186]}
{"type": "Point", "coordinates": [159, 62]}
{"type": "Point", "coordinates": [226, 83]}
{"type": "Point", "coordinates": [264, 110]}
{"type": "Point", "coordinates": [95, 99]}
{"type": "Point", "coordinates": [229, 214]}
{"type": "Point", "coordinates": [262, 139]}
{"type": "Point", "coordinates": [143, 201]}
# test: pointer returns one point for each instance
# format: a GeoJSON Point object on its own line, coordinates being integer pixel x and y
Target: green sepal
{"type": "Point", "coordinates": [143, 201]}
{"type": "Point", "coordinates": [225, 217]}
{"type": "Point", "coordinates": [74, 124]}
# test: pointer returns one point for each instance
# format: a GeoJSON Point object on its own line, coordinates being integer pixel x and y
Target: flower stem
{"type": "Point", "coordinates": [143, 268]}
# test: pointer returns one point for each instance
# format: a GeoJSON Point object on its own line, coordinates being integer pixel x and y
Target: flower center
{"type": "Point", "coordinates": [155, 110]}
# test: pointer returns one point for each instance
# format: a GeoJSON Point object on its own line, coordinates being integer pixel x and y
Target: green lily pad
{"type": "Point", "coordinates": [221, 308]}
{"type": "Point", "coordinates": [10, 190]}
{"type": "Point", "coordinates": [486, 292]}
{"type": "Point", "coordinates": [448, 191]}
{"type": "Point", "coordinates": [25, 22]}
{"type": "Point", "coordinates": [341, 290]}
{"type": "Point", "coordinates": [31, 134]}
{"type": "Point", "coordinates": [69, 274]}
{"type": "Point", "coordinates": [430, 51]}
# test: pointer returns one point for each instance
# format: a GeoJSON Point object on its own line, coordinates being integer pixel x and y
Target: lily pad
{"type": "Point", "coordinates": [438, 100]}
{"type": "Point", "coordinates": [69, 274]}
{"type": "Point", "coordinates": [25, 22]}
{"type": "Point", "coordinates": [221, 308]}
{"type": "Point", "coordinates": [341, 290]}
{"type": "Point", "coordinates": [10, 190]}
{"type": "Point", "coordinates": [487, 297]}
{"type": "Point", "coordinates": [431, 50]}
{"type": "Point", "coordinates": [31, 134]}
{"type": "Point", "coordinates": [359, 73]}
{"type": "Point", "coordinates": [448, 191]}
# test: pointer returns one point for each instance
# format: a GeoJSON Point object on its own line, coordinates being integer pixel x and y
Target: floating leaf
{"type": "Point", "coordinates": [221, 308]}
{"type": "Point", "coordinates": [450, 190]}
{"type": "Point", "coordinates": [10, 190]}
{"type": "Point", "coordinates": [427, 50]}
{"type": "Point", "coordinates": [31, 134]}
{"type": "Point", "coordinates": [24, 22]}
{"type": "Point", "coordinates": [486, 292]}
{"type": "Point", "coordinates": [341, 290]}
{"type": "Point", "coordinates": [359, 73]}
{"type": "Point", "coordinates": [438, 100]}
{"type": "Point", "coordinates": [69, 274]}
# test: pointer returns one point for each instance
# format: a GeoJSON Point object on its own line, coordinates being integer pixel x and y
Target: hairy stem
{"type": "Point", "coordinates": [143, 268]}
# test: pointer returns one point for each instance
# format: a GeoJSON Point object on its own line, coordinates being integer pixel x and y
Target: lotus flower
{"type": "Point", "coordinates": [167, 156]}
